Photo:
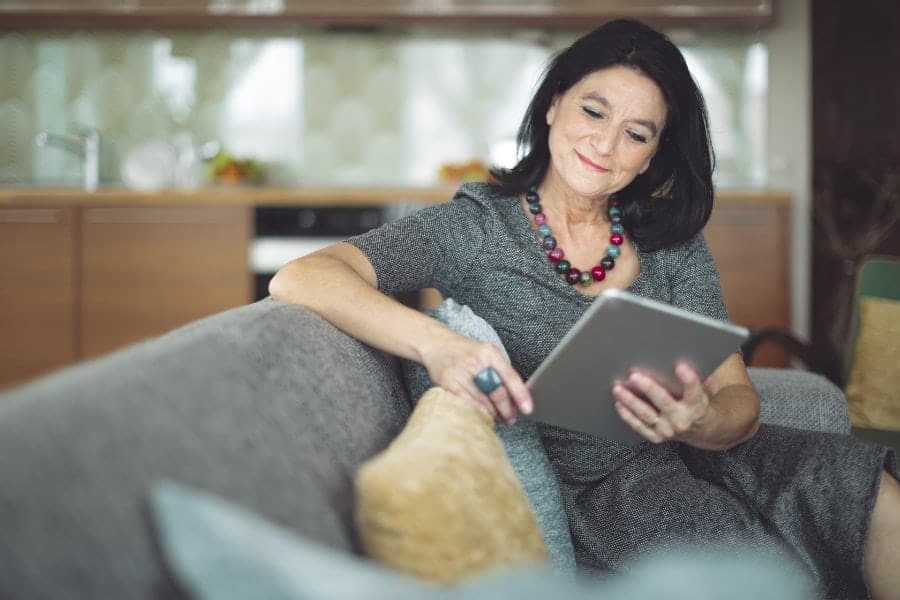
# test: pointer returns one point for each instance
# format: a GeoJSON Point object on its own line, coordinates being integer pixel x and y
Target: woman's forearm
{"type": "Point", "coordinates": [339, 284]}
{"type": "Point", "coordinates": [732, 418]}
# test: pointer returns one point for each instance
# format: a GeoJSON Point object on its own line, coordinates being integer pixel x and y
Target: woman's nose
{"type": "Point", "coordinates": [603, 140]}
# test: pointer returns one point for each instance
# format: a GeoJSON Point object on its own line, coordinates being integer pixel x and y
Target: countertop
{"type": "Point", "coordinates": [294, 196]}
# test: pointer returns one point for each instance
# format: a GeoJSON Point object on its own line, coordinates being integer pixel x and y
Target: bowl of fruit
{"type": "Point", "coordinates": [229, 169]}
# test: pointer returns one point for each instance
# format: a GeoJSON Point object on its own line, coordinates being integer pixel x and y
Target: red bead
{"type": "Point", "coordinates": [612, 201]}
{"type": "Point", "coordinates": [616, 239]}
{"type": "Point", "coordinates": [598, 273]}
{"type": "Point", "coordinates": [555, 255]}
{"type": "Point", "coordinates": [573, 276]}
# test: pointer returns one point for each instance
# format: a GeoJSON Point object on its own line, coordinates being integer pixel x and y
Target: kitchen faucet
{"type": "Point", "coordinates": [85, 145]}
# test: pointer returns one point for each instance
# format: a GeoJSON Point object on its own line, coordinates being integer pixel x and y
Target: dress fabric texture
{"type": "Point", "coordinates": [804, 495]}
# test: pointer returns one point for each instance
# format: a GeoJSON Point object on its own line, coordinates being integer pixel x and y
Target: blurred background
{"type": "Point", "coordinates": [222, 137]}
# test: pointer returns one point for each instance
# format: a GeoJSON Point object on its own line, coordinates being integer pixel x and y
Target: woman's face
{"type": "Point", "coordinates": [604, 131]}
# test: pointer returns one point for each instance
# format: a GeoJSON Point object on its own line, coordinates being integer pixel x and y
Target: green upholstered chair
{"type": "Point", "coordinates": [878, 277]}
{"type": "Point", "coordinates": [869, 368]}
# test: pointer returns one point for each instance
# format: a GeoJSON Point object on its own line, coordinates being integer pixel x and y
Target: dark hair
{"type": "Point", "coordinates": [671, 201]}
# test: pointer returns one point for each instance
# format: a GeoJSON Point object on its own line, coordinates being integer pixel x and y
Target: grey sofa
{"type": "Point", "coordinates": [266, 405]}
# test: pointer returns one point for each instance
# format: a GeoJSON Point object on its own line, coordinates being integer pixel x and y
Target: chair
{"type": "Point", "coordinates": [864, 369]}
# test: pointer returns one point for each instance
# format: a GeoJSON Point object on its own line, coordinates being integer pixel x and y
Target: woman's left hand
{"type": "Point", "coordinates": [653, 412]}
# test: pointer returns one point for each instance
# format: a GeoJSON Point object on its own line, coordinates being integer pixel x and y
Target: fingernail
{"type": "Point", "coordinates": [528, 407]}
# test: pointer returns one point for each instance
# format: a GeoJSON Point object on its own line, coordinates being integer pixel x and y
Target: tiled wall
{"type": "Point", "coordinates": [322, 107]}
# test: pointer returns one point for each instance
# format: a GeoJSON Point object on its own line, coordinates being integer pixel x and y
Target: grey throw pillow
{"type": "Point", "coordinates": [521, 441]}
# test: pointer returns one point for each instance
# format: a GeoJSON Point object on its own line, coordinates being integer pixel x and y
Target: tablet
{"type": "Point", "coordinates": [572, 388]}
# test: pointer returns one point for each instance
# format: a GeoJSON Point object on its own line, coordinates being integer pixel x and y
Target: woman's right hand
{"type": "Point", "coordinates": [453, 362]}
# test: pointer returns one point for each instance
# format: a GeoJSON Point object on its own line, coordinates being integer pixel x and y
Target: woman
{"type": "Point", "coordinates": [612, 192]}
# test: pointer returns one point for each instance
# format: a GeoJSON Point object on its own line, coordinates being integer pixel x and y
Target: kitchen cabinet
{"type": "Point", "coordinates": [80, 281]}
{"type": "Point", "coordinates": [750, 242]}
{"type": "Point", "coordinates": [147, 270]}
{"type": "Point", "coordinates": [84, 273]}
{"type": "Point", "coordinates": [37, 290]}
{"type": "Point", "coordinates": [575, 14]}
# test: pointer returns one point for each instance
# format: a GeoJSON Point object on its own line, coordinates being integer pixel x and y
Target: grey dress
{"type": "Point", "coordinates": [806, 496]}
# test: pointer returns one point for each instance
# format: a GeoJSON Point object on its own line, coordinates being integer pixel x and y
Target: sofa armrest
{"type": "Point", "coordinates": [800, 399]}
{"type": "Point", "coordinates": [266, 405]}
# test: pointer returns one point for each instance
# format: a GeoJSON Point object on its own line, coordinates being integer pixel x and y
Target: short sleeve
{"type": "Point", "coordinates": [433, 247]}
{"type": "Point", "coordinates": [695, 281]}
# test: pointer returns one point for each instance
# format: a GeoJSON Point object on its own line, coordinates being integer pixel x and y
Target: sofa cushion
{"type": "Point", "coordinates": [220, 551]}
{"type": "Point", "coordinates": [873, 389]}
{"type": "Point", "coordinates": [442, 502]}
{"type": "Point", "coordinates": [800, 399]}
{"type": "Point", "coordinates": [267, 405]}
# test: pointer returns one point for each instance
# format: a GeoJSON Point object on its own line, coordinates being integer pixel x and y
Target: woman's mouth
{"type": "Point", "coordinates": [591, 164]}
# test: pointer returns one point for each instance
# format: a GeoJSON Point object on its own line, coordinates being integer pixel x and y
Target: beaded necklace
{"type": "Point", "coordinates": [555, 254]}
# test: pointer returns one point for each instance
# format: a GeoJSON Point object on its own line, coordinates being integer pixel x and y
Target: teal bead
{"type": "Point", "coordinates": [614, 211]}
{"type": "Point", "coordinates": [544, 230]}
{"type": "Point", "coordinates": [563, 266]}
{"type": "Point", "coordinates": [586, 278]}
{"type": "Point", "coordinates": [534, 208]}
{"type": "Point", "coordinates": [617, 228]}
{"type": "Point", "coordinates": [613, 251]}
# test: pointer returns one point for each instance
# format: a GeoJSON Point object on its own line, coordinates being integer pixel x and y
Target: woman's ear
{"type": "Point", "coordinates": [551, 112]}
{"type": "Point", "coordinates": [646, 165]}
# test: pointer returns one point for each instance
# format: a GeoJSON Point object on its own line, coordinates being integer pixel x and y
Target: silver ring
{"type": "Point", "coordinates": [487, 380]}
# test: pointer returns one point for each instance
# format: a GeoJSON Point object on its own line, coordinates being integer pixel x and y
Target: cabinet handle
{"type": "Point", "coordinates": [189, 216]}
{"type": "Point", "coordinates": [30, 215]}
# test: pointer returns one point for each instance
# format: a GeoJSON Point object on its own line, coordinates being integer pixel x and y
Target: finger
{"type": "Point", "coordinates": [466, 388]}
{"type": "Point", "coordinates": [636, 405]}
{"type": "Point", "coordinates": [687, 375]}
{"type": "Point", "coordinates": [517, 392]}
{"type": "Point", "coordinates": [503, 404]}
{"type": "Point", "coordinates": [636, 423]}
{"type": "Point", "coordinates": [485, 404]}
{"type": "Point", "coordinates": [499, 397]}
{"type": "Point", "coordinates": [656, 394]}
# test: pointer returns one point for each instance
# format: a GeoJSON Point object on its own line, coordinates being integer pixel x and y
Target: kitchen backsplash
{"type": "Point", "coordinates": [323, 107]}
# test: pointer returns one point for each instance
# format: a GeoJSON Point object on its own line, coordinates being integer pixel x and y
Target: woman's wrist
{"type": "Point", "coordinates": [727, 421]}
{"type": "Point", "coordinates": [429, 339]}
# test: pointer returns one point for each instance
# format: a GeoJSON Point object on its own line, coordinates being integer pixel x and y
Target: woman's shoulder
{"type": "Point", "coordinates": [693, 246]}
{"type": "Point", "coordinates": [693, 251]}
{"type": "Point", "coordinates": [485, 195]}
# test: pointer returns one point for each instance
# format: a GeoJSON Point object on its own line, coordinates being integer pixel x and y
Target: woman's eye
{"type": "Point", "coordinates": [637, 137]}
{"type": "Point", "coordinates": [594, 114]}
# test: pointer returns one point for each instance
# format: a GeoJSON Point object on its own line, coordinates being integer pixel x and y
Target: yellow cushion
{"type": "Point", "coordinates": [442, 502]}
{"type": "Point", "coordinates": [873, 390]}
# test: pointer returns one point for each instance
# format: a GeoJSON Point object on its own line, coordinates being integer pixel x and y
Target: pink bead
{"type": "Point", "coordinates": [540, 219]}
{"type": "Point", "coordinates": [616, 239]}
{"type": "Point", "coordinates": [598, 273]}
{"type": "Point", "coordinates": [555, 255]}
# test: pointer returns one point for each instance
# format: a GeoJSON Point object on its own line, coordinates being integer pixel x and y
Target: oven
{"type": "Point", "coordinates": [282, 233]}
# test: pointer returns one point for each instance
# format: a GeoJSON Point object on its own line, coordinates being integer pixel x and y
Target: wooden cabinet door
{"type": "Point", "coordinates": [147, 270]}
{"type": "Point", "coordinates": [37, 291]}
{"type": "Point", "coordinates": [750, 244]}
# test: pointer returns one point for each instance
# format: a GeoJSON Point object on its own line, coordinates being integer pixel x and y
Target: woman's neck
{"type": "Point", "coordinates": [570, 210]}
